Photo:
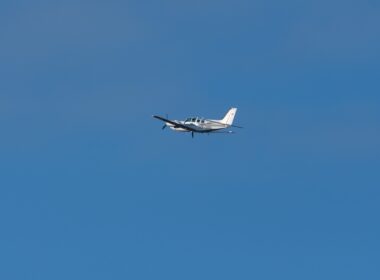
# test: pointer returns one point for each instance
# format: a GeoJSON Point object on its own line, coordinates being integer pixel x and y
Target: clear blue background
{"type": "Point", "coordinates": [92, 188]}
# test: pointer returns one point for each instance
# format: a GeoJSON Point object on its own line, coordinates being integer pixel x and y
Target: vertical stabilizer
{"type": "Point", "coordinates": [229, 117]}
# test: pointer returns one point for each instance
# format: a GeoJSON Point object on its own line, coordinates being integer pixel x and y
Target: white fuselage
{"type": "Point", "coordinates": [199, 124]}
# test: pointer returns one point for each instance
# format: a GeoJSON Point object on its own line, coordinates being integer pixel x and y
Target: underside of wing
{"type": "Point", "coordinates": [176, 124]}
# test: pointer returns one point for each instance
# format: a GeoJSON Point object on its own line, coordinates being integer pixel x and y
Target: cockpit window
{"type": "Point", "coordinates": [193, 119]}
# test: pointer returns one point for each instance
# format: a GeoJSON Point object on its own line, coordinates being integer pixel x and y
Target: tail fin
{"type": "Point", "coordinates": [229, 117]}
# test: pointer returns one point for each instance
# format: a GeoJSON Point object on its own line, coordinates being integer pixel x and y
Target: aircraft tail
{"type": "Point", "coordinates": [229, 117]}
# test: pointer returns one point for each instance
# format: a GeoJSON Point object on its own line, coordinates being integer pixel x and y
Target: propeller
{"type": "Point", "coordinates": [165, 125]}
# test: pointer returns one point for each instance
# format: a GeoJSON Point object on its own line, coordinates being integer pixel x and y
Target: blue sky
{"type": "Point", "coordinates": [91, 188]}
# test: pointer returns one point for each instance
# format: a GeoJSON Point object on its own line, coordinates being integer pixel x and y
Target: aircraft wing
{"type": "Point", "coordinates": [189, 128]}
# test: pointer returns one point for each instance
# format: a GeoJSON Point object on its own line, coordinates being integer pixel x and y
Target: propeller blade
{"type": "Point", "coordinates": [165, 125]}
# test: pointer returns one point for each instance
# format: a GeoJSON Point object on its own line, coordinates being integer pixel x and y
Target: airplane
{"type": "Point", "coordinates": [201, 125]}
